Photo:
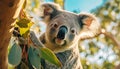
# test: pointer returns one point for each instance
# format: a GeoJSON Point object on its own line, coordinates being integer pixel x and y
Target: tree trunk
{"type": "Point", "coordinates": [9, 11]}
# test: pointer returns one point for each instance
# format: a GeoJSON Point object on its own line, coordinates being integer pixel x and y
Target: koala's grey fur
{"type": "Point", "coordinates": [74, 27]}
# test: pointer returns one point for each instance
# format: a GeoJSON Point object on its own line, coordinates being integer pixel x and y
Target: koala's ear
{"type": "Point", "coordinates": [89, 25]}
{"type": "Point", "coordinates": [50, 10]}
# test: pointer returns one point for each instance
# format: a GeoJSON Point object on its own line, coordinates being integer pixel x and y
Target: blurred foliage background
{"type": "Point", "coordinates": [102, 52]}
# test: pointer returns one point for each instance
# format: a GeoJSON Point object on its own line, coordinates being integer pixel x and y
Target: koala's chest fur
{"type": "Point", "coordinates": [70, 59]}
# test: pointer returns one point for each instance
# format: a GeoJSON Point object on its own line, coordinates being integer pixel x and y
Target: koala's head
{"type": "Point", "coordinates": [65, 28]}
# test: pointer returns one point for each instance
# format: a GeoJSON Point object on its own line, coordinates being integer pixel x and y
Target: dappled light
{"type": "Point", "coordinates": [27, 49]}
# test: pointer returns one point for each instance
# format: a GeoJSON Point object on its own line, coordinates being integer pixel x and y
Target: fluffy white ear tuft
{"type": "Point", "coordinates": [90, 26]}
{"type": "Point", "coordinates": [50, 10]}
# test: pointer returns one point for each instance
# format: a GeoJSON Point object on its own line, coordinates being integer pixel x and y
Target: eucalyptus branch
{"type": "Point", "coordinates": [111, 36]}
{"type": "Point", "coordinates": [107, 34]}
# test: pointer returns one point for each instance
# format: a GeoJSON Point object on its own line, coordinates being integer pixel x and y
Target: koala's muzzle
{"type": "Point", "coordinates": [61, 33]}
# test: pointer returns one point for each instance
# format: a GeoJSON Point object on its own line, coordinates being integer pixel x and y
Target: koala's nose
{"type": "Point", "coordinates": [62, 31]}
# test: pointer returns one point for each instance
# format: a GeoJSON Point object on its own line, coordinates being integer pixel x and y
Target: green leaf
{"type": "Point", "coordinates": [15, 55]}
{"type": "Point", "coordinates": [24, 25]}
{"type": "Point", "coordinates": [47, 54]}
{"type": "Point", "coordinates": [25, 34]}
{"type": "Point", "coordinates": [34, 57]}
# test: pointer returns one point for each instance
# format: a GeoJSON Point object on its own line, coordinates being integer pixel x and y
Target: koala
{"type": "Point", "coordinates": [64, 30]}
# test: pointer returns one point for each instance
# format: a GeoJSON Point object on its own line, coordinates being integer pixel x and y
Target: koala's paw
{"type": "Point", "coordinates": [16, 32]}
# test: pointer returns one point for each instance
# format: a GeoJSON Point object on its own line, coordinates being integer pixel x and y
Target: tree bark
{"type": "Point", "coordinates": [9, 11]}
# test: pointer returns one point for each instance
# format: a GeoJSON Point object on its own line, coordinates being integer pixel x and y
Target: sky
{"type": "Point", "coordinates": [81, 5]}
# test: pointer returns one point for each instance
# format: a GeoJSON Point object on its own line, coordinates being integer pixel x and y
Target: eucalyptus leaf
{"type": "Point", "coordinates": [34, 57]}
{"type": "Point", "coordinates": [15, 55]}
{"type": "Point", "coordinates": [47, 54]}
{"type": "Point", "coordinates": [23, 23]}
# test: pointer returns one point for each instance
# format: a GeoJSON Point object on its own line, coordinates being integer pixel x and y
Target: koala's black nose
{"type": "Point", "coordinates": [62, 31]}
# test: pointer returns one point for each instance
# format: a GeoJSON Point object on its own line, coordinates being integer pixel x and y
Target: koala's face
{"type": "Point", "coordinates": [63, 29]}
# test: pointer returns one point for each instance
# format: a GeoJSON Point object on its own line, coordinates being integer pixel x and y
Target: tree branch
{"type": "Point", "coordinates": [107, 34]}
{"type": "Point", "coordinates": [118, 66]}
{"type": "Point", "coordinates": [112, 37]}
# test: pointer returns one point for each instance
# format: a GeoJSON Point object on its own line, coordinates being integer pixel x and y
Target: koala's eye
{"type": "Point", "coordinates": [73, 30]}
{"type": "Point", "coordinates": [55, 25]}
